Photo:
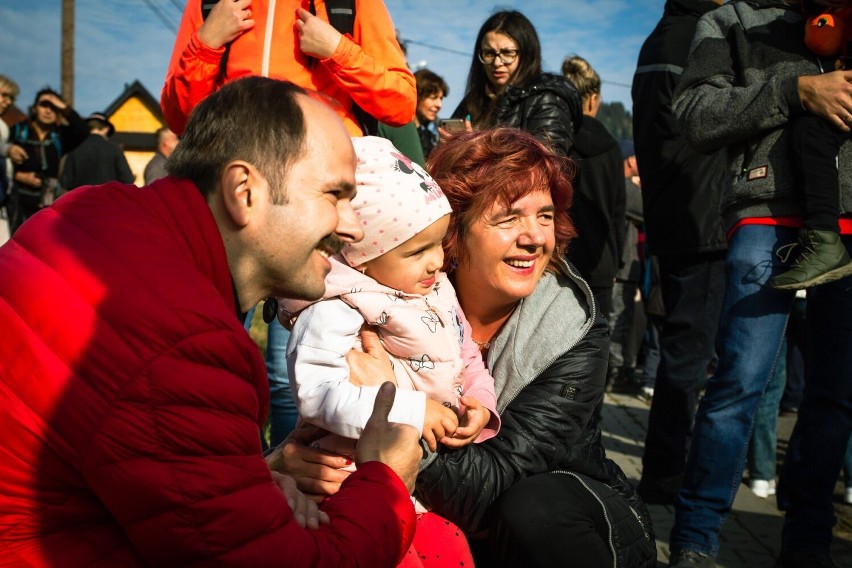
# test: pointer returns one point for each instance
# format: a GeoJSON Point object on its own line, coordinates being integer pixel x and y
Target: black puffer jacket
{"type": "Point", "coordinates": [549, 107]}
{"type": "Point", "coordinates": [548, 396]}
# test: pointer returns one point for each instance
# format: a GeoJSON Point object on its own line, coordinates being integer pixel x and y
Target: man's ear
{"type": "Point", "coordinates": [239, 191]}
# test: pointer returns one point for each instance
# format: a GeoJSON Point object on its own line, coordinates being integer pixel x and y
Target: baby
{"type": "Point", "coordinates": [392, 280]}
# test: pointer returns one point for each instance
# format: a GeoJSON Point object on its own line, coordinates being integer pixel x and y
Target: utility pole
{"type": "Point", "coordinates": [68, 51]}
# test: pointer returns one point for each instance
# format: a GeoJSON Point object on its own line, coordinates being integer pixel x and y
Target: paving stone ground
{"type": "Point", "coordinates": [751, 537]}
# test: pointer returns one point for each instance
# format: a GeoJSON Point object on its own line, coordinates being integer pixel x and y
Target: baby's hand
{"type": "Point", "coordinates": [475, 418]}
{"type": "Point", "coordinates": [439, 423]}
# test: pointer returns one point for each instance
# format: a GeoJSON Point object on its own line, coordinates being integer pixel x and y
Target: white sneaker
{"type": "Point", "coordinates": [762, 488]}
{"type": "Point", "coordinates": [847, 496]}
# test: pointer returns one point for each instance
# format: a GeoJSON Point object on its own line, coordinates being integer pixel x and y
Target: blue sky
{"type": "Point", "coordinates": [119, 41]}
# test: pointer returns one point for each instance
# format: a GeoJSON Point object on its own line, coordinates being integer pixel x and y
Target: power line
{"type": "Point", "coordinates": [437, 47]}
{"type": "Point", "coordinates": [625, 85]}
{"type": "Point", "coordinates": [161, 16]}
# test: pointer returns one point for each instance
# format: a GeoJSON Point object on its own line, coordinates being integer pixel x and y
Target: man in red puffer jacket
{"type": "Point", "coordinates": [131, 395]}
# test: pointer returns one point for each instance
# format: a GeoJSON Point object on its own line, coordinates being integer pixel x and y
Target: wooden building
{"type": "Point", "coordinates": [137, 116]}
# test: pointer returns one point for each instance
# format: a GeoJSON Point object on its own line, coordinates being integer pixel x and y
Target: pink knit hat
{"type": "Point", "coordinates": [396, 199]}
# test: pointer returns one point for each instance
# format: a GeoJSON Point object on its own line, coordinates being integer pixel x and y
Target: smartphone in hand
{"type": "Point", "coordinates": [453, 125]}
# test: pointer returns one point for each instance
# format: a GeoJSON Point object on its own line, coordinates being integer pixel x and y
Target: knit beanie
{"type": "Point", "coordinates": [396, 199]}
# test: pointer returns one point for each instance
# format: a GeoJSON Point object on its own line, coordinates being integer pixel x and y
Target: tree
{"type": "Point", "coordinates": [617, 120]}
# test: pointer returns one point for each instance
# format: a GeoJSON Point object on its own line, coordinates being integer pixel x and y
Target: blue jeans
{"type": "Point", "coordinates": [751, 327]}
{"type": "Point", "coordinates": [819, 440]}
{"type": "Point", "coordinates": [693, 287]}
{"type": "Point", "coordinates": [764, 438]}
{"type": "Point", "coordinates": [282, 407]}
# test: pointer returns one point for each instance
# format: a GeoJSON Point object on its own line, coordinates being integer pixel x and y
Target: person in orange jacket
{"type": "Point", "coordinates": [290, 40]}
{"type": "Point", "coordinates": [293, 41]}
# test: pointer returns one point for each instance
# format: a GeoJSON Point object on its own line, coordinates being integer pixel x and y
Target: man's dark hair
{"type": "Point", "coordinates": [429, 83]}
{"type": "Point", "coordinates": [254, 119]}
{"type": "Point", "coordinates": [43, 91]}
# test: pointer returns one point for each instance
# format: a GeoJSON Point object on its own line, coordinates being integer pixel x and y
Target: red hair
{"type": "Point", "coordinates": [499, 165]}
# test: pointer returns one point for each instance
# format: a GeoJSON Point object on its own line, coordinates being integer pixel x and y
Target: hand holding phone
{"type": "Point", "coordinates": [453, 125]}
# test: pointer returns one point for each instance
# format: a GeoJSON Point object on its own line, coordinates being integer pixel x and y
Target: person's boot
{"type": "Point", "coordinates": [623, 381]}
{"type": "Point", "coordinates": [823, 258]}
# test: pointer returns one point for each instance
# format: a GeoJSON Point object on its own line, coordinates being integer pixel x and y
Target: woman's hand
{"type": "Point", "coordinates": [475, 418]}
{"type": "Point", "coordinates": [445, 135]}
{"type": "Point", "coordinates": [305, 510]}
{"type": "Point", "coordinates": [228, 20]}
{"type": "Point", "coordinates": [372, 366]}
{"type": "Point", "coordinates": [317, 37]}
{"type": "Point", "coordinates": [316, 472]}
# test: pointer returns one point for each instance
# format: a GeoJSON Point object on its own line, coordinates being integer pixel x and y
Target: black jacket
{"type": "Point", "coordinates": [43, 156]}
{"type": "Point", "coordinates": [598, 205]}
{"type": "Point", "coordinates": [681, 187]}
{"type": "Point", "coordinates": [549, 107]}
{"type": "Point", "coordinates": [548, 398]}
{"type": "Point", "coordinates": [94, 162]}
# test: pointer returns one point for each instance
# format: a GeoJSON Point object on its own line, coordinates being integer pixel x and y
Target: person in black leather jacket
{"type": "Point", "coordinates": [542, 492]}
{"type": "Point", "coordinates": [506, 86]}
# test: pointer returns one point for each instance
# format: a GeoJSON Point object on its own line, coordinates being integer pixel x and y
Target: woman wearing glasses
{"type": "Point", "coordinates": [505, 85]}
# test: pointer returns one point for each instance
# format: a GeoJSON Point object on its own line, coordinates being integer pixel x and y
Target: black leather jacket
{"type": "Point", "coordinates": [550, 423]}
{"type": "Point", "coordinates": [549, 107]}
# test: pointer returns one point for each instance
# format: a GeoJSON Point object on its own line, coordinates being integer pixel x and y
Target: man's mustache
{"type": "Point", "coordinates": [332, 244]}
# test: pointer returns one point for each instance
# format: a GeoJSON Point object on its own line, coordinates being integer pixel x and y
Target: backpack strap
{"type": "Point", "coordinates": [341, 15]}
{"type": "Point", "coordinates": [20, 131]}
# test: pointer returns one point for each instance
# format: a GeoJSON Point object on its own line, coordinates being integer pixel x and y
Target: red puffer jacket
{"type": "Point", "coordinates": [131, 398]}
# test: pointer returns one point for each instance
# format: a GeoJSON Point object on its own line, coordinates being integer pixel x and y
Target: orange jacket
{"type": "Point", "coordinates": [368, 66]}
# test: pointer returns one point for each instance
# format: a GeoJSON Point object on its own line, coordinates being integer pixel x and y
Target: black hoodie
{"type": "Point", "coordinates": [599, 201]}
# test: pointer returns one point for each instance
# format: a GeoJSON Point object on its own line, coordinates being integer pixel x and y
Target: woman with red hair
{"type": "Point", "coordinates": [541, 492]}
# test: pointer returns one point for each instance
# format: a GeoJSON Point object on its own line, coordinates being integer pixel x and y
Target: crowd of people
{"type": "Point", "coordinates": [446, 303]}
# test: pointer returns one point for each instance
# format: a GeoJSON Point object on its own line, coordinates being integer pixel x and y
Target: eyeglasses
{"type": "Point", "coordinates": [507, 56]}
{"type": "Point", "coordinates": [9, 96]}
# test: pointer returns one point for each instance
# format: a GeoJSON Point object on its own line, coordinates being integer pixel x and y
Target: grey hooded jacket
{"type": "Point", "coordinates": [549, 366]}
{"type": "Point", "coordinates": [740, 90]}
